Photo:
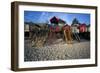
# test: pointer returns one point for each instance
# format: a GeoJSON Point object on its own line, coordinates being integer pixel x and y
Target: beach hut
{"type": "Point", "coordinates": [67, 33]}
{"type": "Point", "coordinates": [57, 22]}
{"type": "Point", "coordinates": [56, 26]}
{"type": "Point", "coordinates": [75, 29]}
{"type": "Point", "coordinates": [88, 28]}
{"type": "Point", "coordinates": [82, 28]}
{"type": "Point", "coordinates": [26, 30]}
{"type": "Point", "coordinates": [84, 31]}
{"type": "Point", "coordinates": [88, 32]}
{"type": "Point", "coordinates": [75, 26]}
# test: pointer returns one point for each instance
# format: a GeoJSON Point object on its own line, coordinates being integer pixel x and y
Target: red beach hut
{"type": "Point", "coordinates": [82, 27]}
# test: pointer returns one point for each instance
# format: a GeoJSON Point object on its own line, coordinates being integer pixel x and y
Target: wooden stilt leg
{"type": "Point", "coordinates": [65, 36]}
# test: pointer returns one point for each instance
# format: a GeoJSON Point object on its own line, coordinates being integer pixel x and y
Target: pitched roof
{"type": "Point", "coordinates": [58, 20]}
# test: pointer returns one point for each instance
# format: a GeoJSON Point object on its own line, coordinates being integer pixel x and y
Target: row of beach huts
{"type": "Point", "coordinates": [75, 31]}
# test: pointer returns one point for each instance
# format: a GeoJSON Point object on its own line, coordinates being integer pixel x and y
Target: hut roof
{"type": "Point", "coordinates": [83, 24]}
{"type": "Point", "coordinates": [75, 21]}
{"type": "Point", "coordinates": [61, 21]}
{"type": "Point", "coordinates": [56, 20]}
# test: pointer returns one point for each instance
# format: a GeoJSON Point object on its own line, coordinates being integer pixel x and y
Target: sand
{"type": "Point", "coordinates": [58, 50]}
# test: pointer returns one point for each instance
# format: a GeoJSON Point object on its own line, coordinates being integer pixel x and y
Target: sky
{"type": "Point", "coordinates": [43, 17]}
